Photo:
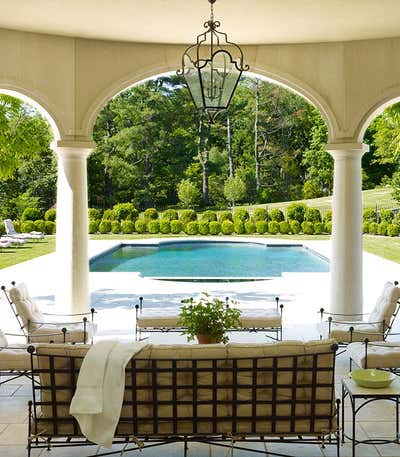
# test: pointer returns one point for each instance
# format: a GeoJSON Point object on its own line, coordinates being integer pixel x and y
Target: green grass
{"type": "Point", "coordinates": [382, 246]}
{"type": "Point", "coordinates": [30, 250]}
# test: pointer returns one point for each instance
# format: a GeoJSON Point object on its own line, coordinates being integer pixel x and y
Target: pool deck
{"type": "Point", "coordinates": [114, 294]}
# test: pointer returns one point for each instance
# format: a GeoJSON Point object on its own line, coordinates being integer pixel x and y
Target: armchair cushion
{"type": "Point", "coordinates": [15, 359]}
{"type": "Point", "coordinates": [3, 340]}
{"type": "Point", "coordinates": [26, 307]}
{"type": "Point", "coordinates": [386, 304]}
{"type": "Point", "coordinates": [380, 355]}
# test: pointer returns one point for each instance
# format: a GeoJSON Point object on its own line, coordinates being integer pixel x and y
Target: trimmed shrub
{"type": "Point", "coordinates": [150, 214]}
{"type": "Point", "coordinates": [328, 227]}
{"type": "Point", "coordinates": [153, 226]}
{"type": "Point", "coordinates": [260, 214]}
{"type": "Point", "coordinates": [313, 215]}
{"type": "Point", "coordinates": [273, 227]}
{"type": "Point", "coordinates": [307, 228]}
{"type": "Point", "coordinates": [31, 214]}
{"type": "Point", "coordinates": [284, 227]}
{"type": "Point", "coordinates": [215, 228]}
{"type": "Point", "coordinates": [2, 229]}
{"type": "Point", "coordinates": [93, 226]}
{"type": "Point", "coordinates": [108, 215]}
{"type": "Point", "coordinates": [105, 227]}
{"type": "Point", "coordinates": [238, 227]}
{"type": "Point", "coordinates": [262, 227]}
{"type": "Point", "coordinates": [369, 215]}
{"type": "Point", "coordinates": [127, 227]}
{"type": "Point", "coordinates": [39, 225]}
{"type": "Point", "coordinates": [393, 230]}
{"type": "Point", "coordinates": [165, 226]}
{"type": "Point", "coordinates": [319, 228]}
{"type": "Point", "coordinates": [204, 227]}
{"type": "Point", "coordinates": [382, 228]}
{"type": "Point", "coordinates": [188, 215]}
{"type": "Point", "coordinates": [50, 215]}
{"type": "Point", "coordinates": [93, 213]}
{"type": "Point", "coordinates": [296, 212]}
{"type": "Point", "coordinates": [276, 214]}
{"type": "Point", "coordinates": [176, 226]}
{"type": "Point", "coordinates": [27, 226]}
{"type": "Point", "coordinates": [170, 215]}
{"type": "Point", "coordinates": [227, 227]}
{"type": "Point", "coordinates": [225, 216]}
{"type": "Point", "coordinates": [141, 226]}
{"type": "Point", "coordinates": [50, 227]}
{"type": "Point", "coordinates": [241, 215]}
{"type": "Point", "coordinates": [373, 228]}
{"type": "Point", "coordinates": [365, 227]}
{"type": "Point", "coordinates": [209, 216]}
{"type": "Point", "coordinates": [17, 226]}
{"type": "Point", "coordinates": [386, 215]}
{"type": "Point", "coordinates": [294, 227]}
{"type": "Point", "coordinates": [115, 227]}
{"type": "Point", "coordinates": [125, 211]}
{"type": "Point", "coordinates": [328, 216]}
{"type": "Point", "coordinates": [250, 227]}
{"type": "Point", "coordinates": [192, 228]}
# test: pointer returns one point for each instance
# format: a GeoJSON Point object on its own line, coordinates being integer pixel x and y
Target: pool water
{"type": "Point", "coordinates": [210, 260]}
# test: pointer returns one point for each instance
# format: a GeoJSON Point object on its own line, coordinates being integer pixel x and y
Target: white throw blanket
{"type": "Point", "coordinates": [99, 394]}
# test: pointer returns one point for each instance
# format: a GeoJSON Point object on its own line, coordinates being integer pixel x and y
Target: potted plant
{"type": "Point", "coordinates": [209, 319]}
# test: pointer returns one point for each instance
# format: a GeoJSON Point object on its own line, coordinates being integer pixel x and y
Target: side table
{"type": "Point", "coordinates": [360, 397]}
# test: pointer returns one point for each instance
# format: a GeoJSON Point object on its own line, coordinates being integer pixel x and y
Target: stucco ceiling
{"type": "Point", "coordinates": [178, 21]}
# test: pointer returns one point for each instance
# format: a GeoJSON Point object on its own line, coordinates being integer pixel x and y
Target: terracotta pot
{"type": "Point", "coordinates": [206, 339]}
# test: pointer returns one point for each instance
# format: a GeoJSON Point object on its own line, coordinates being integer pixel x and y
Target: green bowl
{"type": "Point", "coordinates": [371, 378]}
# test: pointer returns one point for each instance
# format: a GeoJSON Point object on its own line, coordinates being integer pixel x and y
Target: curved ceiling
{"type": "Point", "coordinates": [179, 21]}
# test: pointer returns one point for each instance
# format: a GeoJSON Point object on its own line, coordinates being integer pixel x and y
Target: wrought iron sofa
{"type": "Point", "coordinates": [166, 319]}
{"type": "Point", "coordinates": [230, 395]}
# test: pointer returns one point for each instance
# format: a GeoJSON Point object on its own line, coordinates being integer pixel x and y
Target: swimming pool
{"type": "Point", "coordinates": [204, 259]}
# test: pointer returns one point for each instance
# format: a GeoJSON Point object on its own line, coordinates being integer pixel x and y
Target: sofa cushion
{"type": "Point", "coordinates": [3, 340]}
{"type": "Point", "coordinates": [26, 307]}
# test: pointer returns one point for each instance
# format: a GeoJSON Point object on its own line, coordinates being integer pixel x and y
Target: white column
{"type": "Point", "coordinates": [72, 274]}
{"type": "Point", "coordinates": [346, 294]}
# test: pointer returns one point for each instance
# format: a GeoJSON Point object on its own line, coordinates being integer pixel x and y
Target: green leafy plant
{"type": "Point", "coordinates": [165, 225]}
{"type": "Point", "coordinates": [31, 214]}
{"type": "Point", "coordinates": [227, 227]}
{"type": "Point", "coordinates": [50, 215]}
{"type": "Point", "coordinates": [170, 214]}
{"type": "Point", "coordinates": [150, 213]}
{"type": "Point", "coordinates": [105, 227]}
{"type": "Point", "coordinates": [192, 228]}
{"type": "Point", "coordinates": [204, 228]}
{"type": "Point", "coordinates": [393, 230]}
{"type": "Point", "coordinates": [115, 227]}
{"type": "Point", "coordinates": [225, 216]}
{"type": "Point", "coordinates": [296, 212]}
{"type": "Point", "coordinates": [93, 226]}
{"type": "Point", "coordinates": [260, 214]}
{"type": "Point", "coordinates": [127, 227]}
{"type": "Point", "coordinates": [284, 227]}
{"type": "Point", "coordinates": [262, 227]}
{"type": "Point", "coordinates": [276, 215]}
{"type": "Point", "coordinates": [250, 227]}
{"type": "Point", "coordinates": [209, 317]}
{"type": "Point", "coordinates": [141, 226]}
{"type": "Point", "coordinates": [239, 227]}
{"type": "Point", "coordinates": [215, 228]}
{"type": "Point", "coordinates": [153, 226]}
{"type": "Point", "coordinates": [273, 227]}
{"type": "Point", "coordinates": [176, 227]}
{"type": "Point", "coordinates": [209, 216]}
{"type": "Point", "coordinates": [50, 227]}
{"type": "Point", "coordinates": [93, 213]}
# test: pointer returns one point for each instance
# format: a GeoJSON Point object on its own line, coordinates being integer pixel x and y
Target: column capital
{"type": "Point", "coordinates": [74, 149]}
{"type": "Point", "coordinates": [348, 149]}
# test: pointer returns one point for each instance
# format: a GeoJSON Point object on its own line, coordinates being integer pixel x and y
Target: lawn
{"type": "Point", "coordinates": [388, 248]}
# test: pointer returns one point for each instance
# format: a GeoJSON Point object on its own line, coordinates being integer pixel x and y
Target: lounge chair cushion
{"type": "Point", "coordinates": [341, 332]}
{"type": "Point", "coordinates": [386, 304]}
{"type": "Point", "coordinates": [26, 307]}
{"type": "Point", "coordinates": [3, 340]}
{"type": "Point", "coordinates": [15, 358]}
{"type": "Point", "coordinates": [75, 333]}
{"type": "Point", "coordinates": [380, 355]}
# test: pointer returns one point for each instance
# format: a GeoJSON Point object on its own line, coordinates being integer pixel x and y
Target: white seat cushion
{"type": "Point", "coordinates": [26, 307]}
{"type": "Point", "coordinates": [386, 304]}
{"type": "Point", "coordinates": [380, 355]}
{"type": "Point", "coordinates": [341, 332]}
{"type": "Point", "coordinates": [3, 340]}
{"type": "Point", "coordinates": [53, 333]}
{"type": "Point", "coordinates": [15, 358]}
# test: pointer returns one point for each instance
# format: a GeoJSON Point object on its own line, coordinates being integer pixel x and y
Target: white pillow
{"type": "Point", "coordinates": [26, 307]}
{"type": "Point", "coordinates": [385, 304]}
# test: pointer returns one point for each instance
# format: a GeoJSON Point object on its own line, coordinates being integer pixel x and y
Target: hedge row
{"type": "Point", "coordinates": [40, 225]}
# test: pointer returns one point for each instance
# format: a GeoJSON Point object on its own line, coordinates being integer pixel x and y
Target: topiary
{"type": "Point", "coordinates": [215, 228]}
{"type": "Point", "coordinates": [393, 230]}
{"type": "Point", "coordinates": [192, 228]}
{"type": "Point", "coordinates": [176, 226]}
{"type": "Point", "coordinates": [328, 227]}
{"type": "Point", "coordinates": [238, 227]}
{"type": "Point", "coordinates": [313, 215]}
{"type": "Point", "coordinates": [93, 213]}
{"type": "Point", "coordinates": [241, 215]}
{"type": "Point", "coordinates": [17, 226]}
{"type": "Point", "coordinates": [260, 214]}
{"type": "Point", "coordinates": [108, 215]}
{"type": "Point", "coordinates": [39, 225]}
{"type": "Point", "coordinates": [365, 227]}
{"type": "Point", "coordinates": [2, 230]}
{"type": "Point", "coordinates": [93, 226]}
{"type": "Point", "coordinates": [31, 214]}
{"type": "Point", "coordinates": [294, 227]}
{"type": "Point", "coordinates": [227, 227]}
{"type": "Point", "coordinates": [50, 215]}
{"type": "Point", "coordinates": [276, 214]}
{"type": "Point", "coordinates": [170, 215]}
{"type": "Point", "coordinates": [49, 228]}
{"type": "Point", "coordinates": [204, 228]}
{"type": "Point", "coordinates": [307, 228]}
{"type": "Point", "coordinates": [27, 226]}
{"type": "Point", "coordinates": [262, 227]}
{"type": "Point", "coordinates": [165, 226]}
{"type": "Point", "coordinates": [105, 227]}
{"type": "Point", "coordinates": [296, 212]}
{"type": "Point", "coordinates": [153, 226]}
{"type": "Point", "coordinates": [327, 216]}
{"type": "Point", "coordinates": [127, 227]}
{"type": "Point", "coordinates": [188, 215]}
{"type": "Point", "coordinates": [373, 228]}
{"type": "Point", "coordinates": [382, 228]}
{"type": "Point", "coordinates": [369, 215]}
{"type": "Point", "coordinates": [115, 227]}
{"type": "Point", "coordinates": [125, 211]}
{"type": "Point", "coordinates": [273, 227]}
{"type": "Point", "coordinates": [386, 215]}
{"type": "Point", "coordinates": [209, 216]}
{"type": "Point", "coordinates": [250, 227]}
{"type": "Point", "coordinates": [150, 214]}
{"type": "Point", "coordinates": [225, 216]}
{"type": "Point", "coordinates": [284, 227]}
{"type": "Point", "coordinates": [141, 226]}
{"type": "Point", "coordinates": [319, 228]}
